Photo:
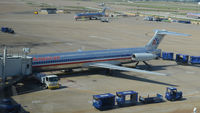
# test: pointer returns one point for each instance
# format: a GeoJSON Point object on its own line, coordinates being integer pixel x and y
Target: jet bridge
{"type": "Point", "coordinates": [14, 65]}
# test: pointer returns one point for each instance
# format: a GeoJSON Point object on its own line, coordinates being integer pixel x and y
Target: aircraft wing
{"type": "Point", "coordinates": [115, 67]}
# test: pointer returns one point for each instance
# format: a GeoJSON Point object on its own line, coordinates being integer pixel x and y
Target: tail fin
{"type": "Point", "coordinates": [157, 38]}
{"type": "Point", "coordinates": [104, 10]}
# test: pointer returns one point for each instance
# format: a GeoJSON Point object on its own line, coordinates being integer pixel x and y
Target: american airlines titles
{"type": "Point", "coordinates": [46, 58]}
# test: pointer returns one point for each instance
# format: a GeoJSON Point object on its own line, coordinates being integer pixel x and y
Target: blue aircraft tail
{"type": "Point", "coordinates": [157, 38]}
{"type": "Point", "coordinates": [104, 10]}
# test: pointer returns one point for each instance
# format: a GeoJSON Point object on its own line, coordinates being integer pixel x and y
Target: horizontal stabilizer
{"type": "Point", "coordinates": [115, 67]}
{"type": "Point", "coordinates": [164, 32]}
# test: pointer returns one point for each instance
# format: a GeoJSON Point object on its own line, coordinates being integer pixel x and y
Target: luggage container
{"type": "Point", "coordinates": [125, 98]}
{"type": "Point", "coordinates": [104, 101]}
{"type": "Point", "coordinates": [181, 58]}
{"type": "Point", "coordinates": [158, 53]}
{"type": "Point", "coordinates": [167, 55]}
{"type": "Point", "coordinates": [7, 30]}
{"type": "Point", "coordinates": [4, 29]}
{"type": "Point", "coordinates": [184, 21]}
{"type": "Point", "coordinates": [195, 59]}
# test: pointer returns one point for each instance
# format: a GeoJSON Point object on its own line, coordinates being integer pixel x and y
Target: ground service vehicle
{"type": "Point", "coordinates": [172, 94]}
{"type": "Point", "coordinates": [7, 30]}
{"type": "Point", "coordinates": [104, 101]}
{"type": "Point", "coordinates": [104, 19]}
{"type": "Point", "coordinates": [126, 98]}
{"type": "Point", "coordinates": [49, 81]}
{"type": "Point", "coordinates": [146, 100]}
{"type": "Point", "coordinates": [6, 106]}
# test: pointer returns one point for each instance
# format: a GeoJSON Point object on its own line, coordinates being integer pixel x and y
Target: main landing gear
{"type": "Point", "coordinates": [148, 65]}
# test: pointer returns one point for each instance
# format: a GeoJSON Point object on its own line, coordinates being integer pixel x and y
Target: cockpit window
{"type": "Point", "coordinates": [53, 79]}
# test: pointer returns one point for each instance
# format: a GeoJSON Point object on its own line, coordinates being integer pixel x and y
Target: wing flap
{"type": "Point", "coordinates": [115, 67]}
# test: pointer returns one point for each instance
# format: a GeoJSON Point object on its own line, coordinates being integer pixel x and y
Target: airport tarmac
{"type": "Point", "coordinates": [61, 33]}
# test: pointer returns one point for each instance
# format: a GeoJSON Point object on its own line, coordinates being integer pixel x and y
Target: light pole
{"type": "Point", "coordinates": [4, 66]}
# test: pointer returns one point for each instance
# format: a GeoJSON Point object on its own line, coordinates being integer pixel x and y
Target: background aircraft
{"type": "Point", "coordinates": [108, 59]}
{"type": "Point", "coordinates": [90, 16]}
{"type": "Point", "coordinates": [194, 15]}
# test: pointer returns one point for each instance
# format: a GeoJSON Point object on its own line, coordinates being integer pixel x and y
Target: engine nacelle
{"type": "Point", "coordinates": [143, 56]}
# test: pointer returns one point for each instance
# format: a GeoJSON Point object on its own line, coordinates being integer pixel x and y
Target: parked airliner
{"type": "Point", "coordinates": [195, 15]}
{"type": "Point", "coordinates": [90, 16]}
{"type": "Point", "coordinates": [108, 59]}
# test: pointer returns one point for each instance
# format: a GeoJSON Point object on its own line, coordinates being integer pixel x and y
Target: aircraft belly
{"type": "Point", "coordinates": [57, 67]}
